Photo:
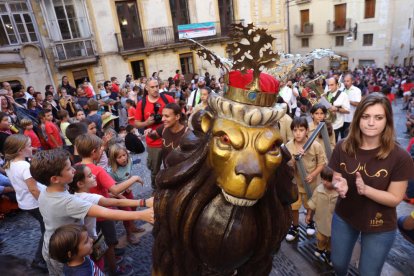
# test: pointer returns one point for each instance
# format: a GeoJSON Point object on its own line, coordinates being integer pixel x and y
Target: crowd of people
{"type": "Point", "coordinates": [66, 158]}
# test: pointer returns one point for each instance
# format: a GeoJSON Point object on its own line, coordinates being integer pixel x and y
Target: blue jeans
{"type": "Point", "coordinates": [374, 248]}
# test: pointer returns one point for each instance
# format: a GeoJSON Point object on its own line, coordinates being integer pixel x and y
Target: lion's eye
{"type": "Point", "coordinates": [225, 139]}
{"type": "Point", "coordinates": [223, 142]}
{"type": "Point", "coordinates": [275, 148]}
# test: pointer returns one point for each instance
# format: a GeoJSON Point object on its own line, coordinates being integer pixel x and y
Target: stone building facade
{"type": "Point", "coordinates": [365, 32]}
{"type": "Point", "coordinates": [98, 39]}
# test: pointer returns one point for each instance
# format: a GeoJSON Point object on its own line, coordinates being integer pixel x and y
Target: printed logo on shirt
{"type": "Point", "coordinates": [377, 221]}
{"type": "Point", "coordinates": [363, 169]}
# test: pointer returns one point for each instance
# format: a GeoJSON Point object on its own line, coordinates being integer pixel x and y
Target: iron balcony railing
{"type": "Point", "coordinates": [304, 30]}
{"type": "Point", "coordinates": [74, 49]}
{"type": "Point", "coordinates": [302, 1]}
{"type": "Point", "coordinates": [162, 36]}
{"type": "Point", "coordinates": [336, 27]}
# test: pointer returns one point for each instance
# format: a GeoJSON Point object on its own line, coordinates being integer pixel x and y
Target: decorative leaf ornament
{"type": "Point", "coordinates": [252, 51]}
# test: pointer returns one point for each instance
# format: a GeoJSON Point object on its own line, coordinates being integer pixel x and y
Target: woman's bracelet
{"type": "Point", "coordinates": [142, 203]}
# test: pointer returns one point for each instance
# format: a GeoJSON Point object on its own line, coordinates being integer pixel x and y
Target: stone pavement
{"type": "Point", "coordinates": [295, 258]}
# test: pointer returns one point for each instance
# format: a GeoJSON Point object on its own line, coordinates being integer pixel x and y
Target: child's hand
{"type": "Point", "coordinates": [149, 202]}
{"type": "Point", "coordinates": [309, 178]}
{"type": "Point", "coordinates": [301, 151]}
{"type": "Point", "coordinates": [138, 179]}
{"type": "Point", "coordinates": [308, 218]}
{"type": "Point", "coordinates": [147, 215]}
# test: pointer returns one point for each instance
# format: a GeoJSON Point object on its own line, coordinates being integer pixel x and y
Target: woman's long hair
{"type": "Point", "coordinates": [13, 145]}
{"type": "Point", "coordinates": [387, 141]}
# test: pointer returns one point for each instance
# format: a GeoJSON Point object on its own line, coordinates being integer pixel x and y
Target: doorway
{"type": "Point", "coordinates": [129, 24]}
{"type": "Point", "coordinates": [80, 76]}
{"type": "Point", "coordinates": [138, 69]}
{"type": "Point", "coordinates": [340, 17]}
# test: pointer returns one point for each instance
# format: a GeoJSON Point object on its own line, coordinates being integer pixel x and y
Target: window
{"type": "Point", "coordinates": [67, 19]}
{"type": "Point", "coordinates": [187, 65]}
{"type": "Point", "coordinates": [369, 9]}
{"type": "Point", "coordinates": [138, 69]}
{"type": "Point", "coordinates": [179, 14]}
{"type": "Point", "coordinates": [366, 62]}
{"type": "Point", "coordinates": [339, 40]}
{"type": "Point", "coordinates": [16, 24]}
{"type": "Point", "coordinates": [305, 42]}
{"type": "Point", "coordinates": [368, 40]}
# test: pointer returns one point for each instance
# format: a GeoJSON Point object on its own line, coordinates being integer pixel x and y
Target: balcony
{"type": "Point", "coordinates": [338, 27]}
{"type": "Point", "coordinates": [304, 30]}
{"type": "Point", "coordinates": [302, 1]}
{"type": "Point", "coordinates": [164, 38]}
{"type": "Point", "coordinates": [74, 52]}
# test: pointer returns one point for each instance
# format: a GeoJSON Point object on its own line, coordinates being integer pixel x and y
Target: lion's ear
{"type": "Point", "coordinates": [206, 121]}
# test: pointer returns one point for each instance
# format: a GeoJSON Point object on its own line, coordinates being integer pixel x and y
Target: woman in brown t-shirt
{"type": "Point", "coordinates": [170, 131]}
{"type": "Point", "coordinates": [371, 172]}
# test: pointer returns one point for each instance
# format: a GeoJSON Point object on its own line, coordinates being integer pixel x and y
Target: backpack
{"type": "Point", "coordinates": [144, 102]}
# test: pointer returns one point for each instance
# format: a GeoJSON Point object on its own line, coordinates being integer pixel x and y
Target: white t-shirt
{"type": "Point", "coordinates": [343, 102]}
{"type": "Point", "coordinates": [286, 93]}
{"type": "Point", "coordinates": [18, 172]}
{"type": "Point", "coordinates": [90, 222]}
{"type": "Point", "coordinates": [58, 209]}
{"type": "Point", "coordinates": [354, 95]}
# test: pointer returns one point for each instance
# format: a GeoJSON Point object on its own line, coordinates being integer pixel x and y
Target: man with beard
{"type": "Point", "coordinates": [149, 115]}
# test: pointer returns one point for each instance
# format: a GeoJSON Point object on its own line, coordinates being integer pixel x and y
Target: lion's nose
{"type": "Point", "coordinates": [249, 170]}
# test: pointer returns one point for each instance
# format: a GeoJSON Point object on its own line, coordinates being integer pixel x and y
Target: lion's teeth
{"type": "Point", "coordinates": [238, 201]}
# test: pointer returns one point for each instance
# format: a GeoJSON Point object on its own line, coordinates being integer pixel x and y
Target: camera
{"type": "Point", "coordinates": [157, 117]}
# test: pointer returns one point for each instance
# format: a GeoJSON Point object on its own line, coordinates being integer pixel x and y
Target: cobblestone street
{"type": "Point", "coordinates": [22, 233]}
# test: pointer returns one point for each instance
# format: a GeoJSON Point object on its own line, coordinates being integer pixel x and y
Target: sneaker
{"type": "Point", "coordinates": [318, 252]}
{"type": "Point", "coordinates": [293, 233]}
{"type": "Point", "coordinates": [326, 256]}
{"type": "Point", "coordinates": [124, 270]}
{"type": "Point", "coordinates": [310, 229]}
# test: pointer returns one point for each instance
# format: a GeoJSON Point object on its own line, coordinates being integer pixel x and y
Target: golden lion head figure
{"type": "Point", "coordinates": [245, 149]}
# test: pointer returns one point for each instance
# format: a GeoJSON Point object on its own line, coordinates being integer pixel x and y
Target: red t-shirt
{"type": "Point", "coordinates": [33, 137]}
{"type": "Point", "coordinates": [391, 97]}
{"type": "Point", "coordinates": [149, 109]}
{"type": "Point", "coordinates": [115, 88]}
{"type": "Point", "coordinates": [53, 131]}
{"type": "Point", "coordinates": [407, 86]}
{"type": "Point", "coordinates": [131, 113]}
{"type": "Point", "coordinates": [88, 92]}
{"type": "Point", "coordinates": [103, 180]}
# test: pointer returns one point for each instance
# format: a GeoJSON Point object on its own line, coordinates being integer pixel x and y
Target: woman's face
{"type": "Point", "coordinates": [65, 80]}
{"type": "Point", "coordinates": [373, 121]}
{"type": "Point", "coordinates": [4, 103]}
{"type": "Point", "coordinates": [318, 116]}
{"type": "Point", "coordinates": [169, 118]}
{"type": "Point", "coordinates": [4, 123]}
{"type": "Point", "coordinates": [31, 90]}
{"type": "Point", "coordinates": [92, 128]}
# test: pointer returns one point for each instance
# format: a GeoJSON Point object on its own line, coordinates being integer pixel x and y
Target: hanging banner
{"type": "Point", "coordinates": [196, 30]}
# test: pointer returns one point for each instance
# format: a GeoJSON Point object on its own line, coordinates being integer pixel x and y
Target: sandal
{"type": "Point", "coordinates": [132, 239]}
